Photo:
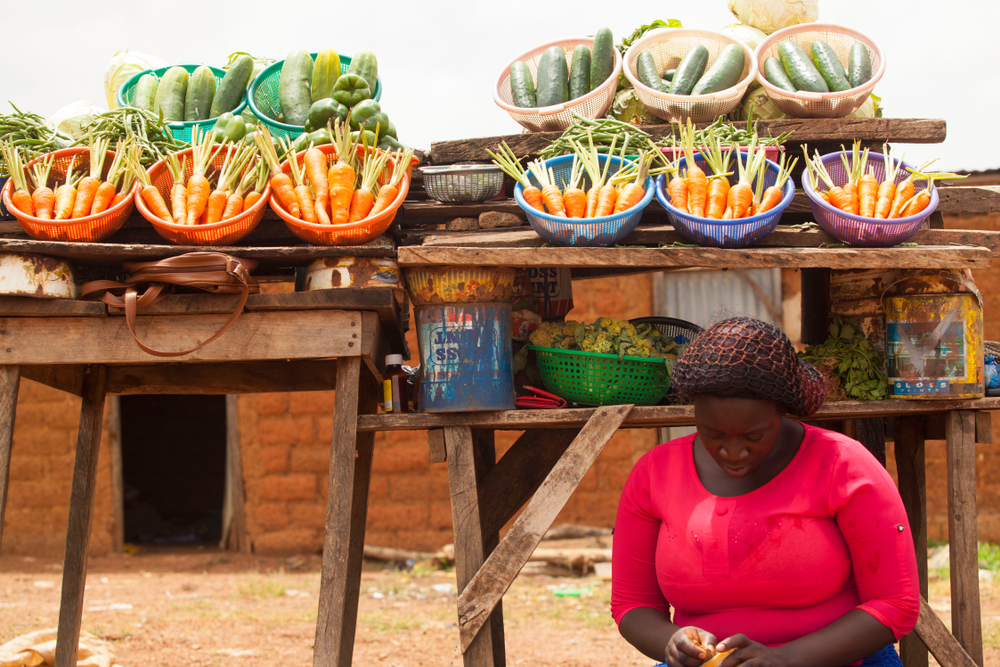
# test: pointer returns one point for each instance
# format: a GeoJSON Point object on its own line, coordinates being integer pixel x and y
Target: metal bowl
{"type": "Point", "coordinates": [462, 182]}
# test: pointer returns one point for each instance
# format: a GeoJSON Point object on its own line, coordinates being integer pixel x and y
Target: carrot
{"type": "Point", "coordinates": [198, 186]}
{"type": "Point", "coordinates": [281, 182]}
{"type": "Point", "coordinates": [235, 200]}
{"type": "Point", "coordinates": [232, 166]}
{"type": "Point", "coordinates": [302, 194]}
{"type": "Point", "coordinates": [42, 198]}
{"type": "Point", "coordinates": [258, 189]}
{"type": "Point", "coordinates": [867, 194]}
{"type": "Point", "coordinates": [602, 195]}
{"type": "Point", "coordinates": [677, 188]}
{"type": "Point", "coordinates": [741, 195]}
{"type": "Point", "coordinates": [508, 164]}
{"type": "Point", "coordinates": [315, 166]}
{"type": "Point", "coordinates": [854, 168]}
{"type": "Point", "coordinates": [835, 194]}
{"type": "Point", "coordinates": [178, 191]}
{"type": "Point", "coordinates": [388, 192]}
{"type": "Point", "coordinates": [107, 189]}
{"type": "Point", "coordinates": [87, 189]}
{"type": "Point", "coordinates": [551, 194]}
{"type": "Point", "coordinates": [65, 195]}
{"type": "Point", "coordinates": [718, 183]}
{"type": "Point", "coordinates": [773, 194]}
{"type": "Point", "coordinates": [342, 174]}
{"type": "Point", "coordinates": [363, 199]}
{"type": "Point", "coordinates": [633, 191]}
{"type": "Point", "coordinates": [697, 184]}
{"type": "Point", "coordinates": [149, 192]}
{"type": "Point", "coordinates": [574, 198]}
{"type": "Point", "coordinates": [19, 196]}
{"type": "Point", "coordinates": [887, 189]}
{"type": "Point", "coordinates": [905, 189]}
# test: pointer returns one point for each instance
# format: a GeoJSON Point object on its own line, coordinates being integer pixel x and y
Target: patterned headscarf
{"type": "Point", "coordinates": [743, 357]}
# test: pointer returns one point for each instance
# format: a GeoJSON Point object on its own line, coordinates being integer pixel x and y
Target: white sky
{"type": "Point", "coordinates": [439, 59]}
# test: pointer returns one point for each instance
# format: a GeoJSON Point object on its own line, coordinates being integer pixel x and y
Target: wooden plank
{"type": "Point", "coordinates": [346, 509]}
{"type": "Point", "coordinates": [68, 378]}
{"type": "Point", "coordinates": [223, 378]}
{"type": "Point", "coordinates": [188, 304]}
{"type": "Point", "coordinates": [491, 635]}
{"type": "Point", "coordinates": [373, 342]}
{"type": "Point", "coordinates": [969, 199]}
{"type": "Point", "coordinates": [9, 384]}
{"type": "Point", "coordinates": [113, 407]}
{"type": "Point", "coordinates": [435, 444]}
{"type": "Point", "coordinates": [911, 473]}
{"type": "Point", "coordinates": [254, 336]}
{"type": "Point", "coordinates": [984, 427]}
{"type": "Point", "coordinates": [81, 507]}
{"type": "Point", "coordinates": [924, 257]}
{"type": "Point", "coordinates": [27, 306]}
{"type": "Point", "coordinates": [963, 547]}
{"type": "Point", "coordinates": [477, 600]}
{"type": "Point", "coordinates": [934, 633]}
{"type": "Point", "coordinates": [238, 538]}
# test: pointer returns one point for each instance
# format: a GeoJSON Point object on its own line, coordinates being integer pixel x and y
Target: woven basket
{"type": "Point", "coordinates": [592, 378]}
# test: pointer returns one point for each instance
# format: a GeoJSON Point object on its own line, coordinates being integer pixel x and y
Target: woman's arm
{"type": "Point", "coordinates": [652, 633]}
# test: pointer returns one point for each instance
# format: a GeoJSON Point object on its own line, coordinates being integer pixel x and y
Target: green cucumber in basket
{"type": "Point", "coordinates": [233, 86]}
{"type": "Point", "coordinates": [689, 70]}
{"type": "Point", "coordinates": [646, 70]}
{"type": "Point", "coordinates": [364, 64]}
{"type": "Point", "coordinates": [522, 88]}
{"type": "Point", "coordinates": [552, 78]}
{"type": "Point", "coordinates": [579, 72]}
{"type": "Point", "coordinates": [294, 94]}
{"type": "Point", "coordinates": [799, 68]}
{"type": "Point", "coordinates": [829, 66]}
{"type": "Point", "coordinates": [724, 73]}
{"type": "Point", "coordinates": [144, 95]}
{"type": "Point", "coordinates": [170, 93]}
{"type": "Point", "coordinates": [859, 65]}
{"type": "Point", "coordinates": [775, 73]}
{"type": "Point", "coordinates": [602, 57]}
{"type": "Point", "coordinates": [200, 91]}
{"type": "Point", "coordinates": [326, 71]}
{"type": "Point", "coordinates": [669, 74]}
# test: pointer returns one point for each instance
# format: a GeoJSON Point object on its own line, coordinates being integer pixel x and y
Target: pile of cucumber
{"type": "Point", "coordinates": [558, 80]}
{"type": "Point", "coordinates": [795, 70]}
{"type": "Point", "coordinates": [305, 81]}
{"type": "Point", "coordinates": [191, 97]}
{"type": "Point", "coordinates": [690, 77]}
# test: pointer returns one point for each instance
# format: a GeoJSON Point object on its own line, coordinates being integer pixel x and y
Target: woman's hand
{"type": "Point", "coordinates": [687, 647]}
{"type": "Point", "coordinates": [744, 650]}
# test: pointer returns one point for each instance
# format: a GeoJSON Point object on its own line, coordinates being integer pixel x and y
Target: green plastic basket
{"type": "Point", "coordinates": [182, 130]}
{"type": "Point", "coordinates": [263, 98]}
{"type": "Point", "coordinates": [591, 378]}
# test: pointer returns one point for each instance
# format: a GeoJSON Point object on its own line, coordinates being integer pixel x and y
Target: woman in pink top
{"type": "Point", "coordinates": [786, 542]}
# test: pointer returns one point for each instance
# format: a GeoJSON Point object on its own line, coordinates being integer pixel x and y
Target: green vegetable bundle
{"type": "Point", "coordinates": [854, 361]}
{"type": "Point", "coordinates": [607, 336]}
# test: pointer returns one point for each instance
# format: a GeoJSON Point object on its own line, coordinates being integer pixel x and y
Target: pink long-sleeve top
{"type": "Point", "coordinates": [827, 535]}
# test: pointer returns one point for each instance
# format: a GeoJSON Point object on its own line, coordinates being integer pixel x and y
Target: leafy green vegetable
{"type": "Point", "coordinates": [858, 364]}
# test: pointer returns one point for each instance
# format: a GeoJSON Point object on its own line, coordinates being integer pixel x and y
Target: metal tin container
{"type": "Point", "coordinates": [430, 285]}
{"type": "Point", "coordinates": [362, 272]}
{"type": "Point", "coordinates": [26, 274]}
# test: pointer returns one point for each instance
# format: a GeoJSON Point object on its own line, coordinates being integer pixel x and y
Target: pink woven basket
{"type": "Point", "coordinates": [668, 46]}
{"type": "Point", "coordinates": [558, 116]}
{"type": "Point", "coordinates": [807, 104]}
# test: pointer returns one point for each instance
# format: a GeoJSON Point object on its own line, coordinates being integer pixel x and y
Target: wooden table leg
{"type": "Point", "coordinates": [346, 511]}
{"type": "Point", "coordinates": [81, 505]}
{"type": "Point", "coordinates": [10, 377]}
{"type": "Point", "coordinates": [911, 473]}
{"type": "Point", "coordinates": [960, 433]}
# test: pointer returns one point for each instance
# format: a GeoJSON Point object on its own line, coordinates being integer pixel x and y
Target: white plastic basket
{"type": "Point", "coordinates": [558, 116]}
{"type": "Point", "coordinates": [807, 104]}
{"type": "Point", "coordinates": [668, 46]}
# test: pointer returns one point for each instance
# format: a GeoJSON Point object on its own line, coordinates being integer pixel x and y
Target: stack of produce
{"type": "Point", "coordinates": [29, 133]}
{"type": "Point", "coordinates": [608, 336]}
{"type": "Point", "coordinates": [194, 96]}
{"type": "Point", "coordinates": [690, 76]}
{"type": "Point", "coordinates": [147, 129]}
{"type": "Point", "coordinates": [794, 70]}
{"type": "Point", "coordinates": [849, 363]}
{"type": "Point", "coordinates": [558, 81]}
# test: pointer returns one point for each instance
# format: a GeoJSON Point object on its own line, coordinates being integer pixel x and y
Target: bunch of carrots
{"type": "Point", "coordinates": [711, 196]}
{"type": "Point", "coordinates": [74, 198]}
{"type": "Point", "coordinates": [335, 188]}
{"type": "Point", "coordinates": [863, 194]}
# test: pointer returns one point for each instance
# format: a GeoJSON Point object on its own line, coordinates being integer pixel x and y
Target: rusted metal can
{"type": "Point", "coordinates": [339, 272]}
{"type": "Point", "coordinates": [432, 285]}
{"type": "Point", "coordinates": [26, 274]}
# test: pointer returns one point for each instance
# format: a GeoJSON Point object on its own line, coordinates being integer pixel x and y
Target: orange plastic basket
{"type": "Point", "coordinates": [804, 103]}
{"type": "Point", "coordinates": [668, 46]}
{"type": "Point", "coordinates": [224, 232]}
{"type": "Point", "coordinates": [89, 228]}
{"type": "Point", "coordinates": [558, 116]}
{"type": "Point", "coordinates": [354, 233]}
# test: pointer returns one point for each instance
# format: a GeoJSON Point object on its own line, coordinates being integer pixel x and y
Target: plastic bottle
{"type": "Point", "coordinates": [394, 385]}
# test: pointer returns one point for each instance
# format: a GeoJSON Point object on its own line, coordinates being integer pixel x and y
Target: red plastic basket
{"type": "Point", "coordinates": [224, 232]}
{"type": "Point", "coordinates": [354, 233]}
{"type": "Point", "coordinates": [89, 228]}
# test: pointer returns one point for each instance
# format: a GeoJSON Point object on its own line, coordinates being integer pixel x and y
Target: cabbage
{"type": "Point", "coordinates": [74, 118]}
{"type": "Point", "coordinates": [123, 65]}
{"type": "Point", "coordinates": [763, 107]}
{"type": "Point", "coordinates": [772, 15]}
{"type": "Point", "coordinates": [870, 109]}
{"type": "Point", "coordinates": [628, 108]}
{"type": "Point", "coordinates": [745, 33]}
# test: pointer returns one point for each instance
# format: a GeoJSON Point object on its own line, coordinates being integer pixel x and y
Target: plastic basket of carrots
{"type": "Point", "coordinates": [870, 200]}
{"type": "Point", "coordinates": [73, 194]}
{"type": "Point", "coordinates": [205, 195]}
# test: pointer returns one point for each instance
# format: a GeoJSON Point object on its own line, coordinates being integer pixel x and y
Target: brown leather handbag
{"type": "Point", "coordinates": [213, 272]}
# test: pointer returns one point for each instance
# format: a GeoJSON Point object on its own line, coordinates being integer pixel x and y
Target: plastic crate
{"type": "Point", "coordinates": [592, 378]}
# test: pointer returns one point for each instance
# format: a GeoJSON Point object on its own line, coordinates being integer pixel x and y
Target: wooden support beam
{"type": "Point", "coordinates": [984, 427]}
{"type": "Point", "coordinates": [235, 536]}
{"type": "Point", "coordinates": [934, 633]}
{"type": "Point", "coordinates": [113, 409]}
{"type": "Point", "coordinates": [477, 600]}
{"type": "Point", "coordinates": [910, 471]}
{"type": "Point", "coordinates": [68, 378]}
{"type": "Point", "coordinates": [435, 443]}
{"type": "Point", "coordinates": [9, 383]}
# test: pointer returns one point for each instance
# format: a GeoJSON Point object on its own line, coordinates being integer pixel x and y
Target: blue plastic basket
{"type": "Point", "coordinates": [738, 233]}
{"type": "Point", "coordinates": [182, 130]}
{"type": "Point", "coordinates": [263, 98]}
{"type": "Point", "coordinates": [582, 232]}
{"type": "Point", "coordinates": [858, 230]}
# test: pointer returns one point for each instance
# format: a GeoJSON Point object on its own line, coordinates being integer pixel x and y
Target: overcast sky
{"type": "Point", "coordinates": [439, 60]}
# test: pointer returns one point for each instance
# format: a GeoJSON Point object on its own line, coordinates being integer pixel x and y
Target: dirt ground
{"type": "Point", "coordinates": [197, 606]}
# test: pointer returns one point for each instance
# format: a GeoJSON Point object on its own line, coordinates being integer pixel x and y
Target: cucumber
{"type": "Point", "coordinates": [602, 57]}
{"type": "Point", "coordinates": [775, 73]}
{"type": "Point", "coordinates": [522, 88]}
{"type": "Point", "coordinates": [689, 70]}
{"type": "Point", "coordinates": [859, 65]}
{"type": "Point", "coordinates": [724, 73]}
{"type": "Point", "coordinates": [646, 70]}
{"type": "Point", "coordinates": [799, 68]}
{"type": "Point", "coordinates": [294, 95]}
{"type": "Point", "coordinates": [552, 78]}
{"type": "Point", "coordinates": [666, 84]}
{"type": "Point", "coordinates": [829, 66]}
{"type": "Point", "coordinates": [579, 72]}
{"type": "Point", "coordinates": [144, 95]}
{"type": "Point", "coordinates": [365, 64]}
{"type": "Point", "coordinates": [326, 71]}
{"type": "Point", "coordinates": [669, 74]}
{"type": "Point", "coordinates": [200, 91]}
{"type": "Point", "coordinates": [170, 93]}
{"type": "Point", "coordinates": [233, 86]}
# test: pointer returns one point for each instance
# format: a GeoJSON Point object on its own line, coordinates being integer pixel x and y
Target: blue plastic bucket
{"type": "Point", "coordinates": [465, 352]}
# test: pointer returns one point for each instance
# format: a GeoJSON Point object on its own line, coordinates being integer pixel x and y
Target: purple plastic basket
{"type": "Point", "coordinates": [857, 230]}
{"type": "Point", "coordinates": [582, 232]}
{"type": "Point", "coordinates": [738, 233]}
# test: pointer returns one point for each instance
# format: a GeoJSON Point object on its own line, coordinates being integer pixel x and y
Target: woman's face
{"type": "Point", "coordinates": [738, 433]}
